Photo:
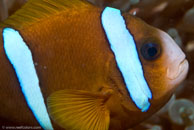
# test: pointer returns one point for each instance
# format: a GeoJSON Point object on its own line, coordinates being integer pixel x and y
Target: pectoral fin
{"type": "Point", "coordinates": [79, 110]}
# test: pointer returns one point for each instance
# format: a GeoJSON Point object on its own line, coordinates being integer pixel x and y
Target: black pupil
{"type": "Point", "coordinates": [152, 51]}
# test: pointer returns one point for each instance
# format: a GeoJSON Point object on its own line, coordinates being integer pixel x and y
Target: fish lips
{"type": "Point", "coordinates": [179, 70]}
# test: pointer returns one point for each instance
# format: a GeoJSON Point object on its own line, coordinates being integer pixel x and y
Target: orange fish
{"type": "Point", "coordinates": [72, 65]}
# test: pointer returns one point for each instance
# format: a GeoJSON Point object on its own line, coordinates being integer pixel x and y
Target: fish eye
{"type": "Point", "coordinates": [150, 51]}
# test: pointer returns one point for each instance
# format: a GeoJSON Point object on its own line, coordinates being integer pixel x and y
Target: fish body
{"type": "Point", "coordinates": [75, 63]}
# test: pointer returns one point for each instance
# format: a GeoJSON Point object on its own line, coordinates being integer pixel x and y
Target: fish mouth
{"type": "Point", "coordinates": [179, 70]}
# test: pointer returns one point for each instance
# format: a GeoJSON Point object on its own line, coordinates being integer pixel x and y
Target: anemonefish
{"type": "Point", "coordinates": [67, 64]}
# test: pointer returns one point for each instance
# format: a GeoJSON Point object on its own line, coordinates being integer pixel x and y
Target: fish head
{"type": "Point", "coordinates": [164, 67]}
{"type": "Point", "coordinates": [164, 63]}
{"type": "Point", "coordinates": [149, 61]}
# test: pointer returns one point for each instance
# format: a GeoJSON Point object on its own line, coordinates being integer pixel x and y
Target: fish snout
{"type": "Point", "coordinates": [177, 64]}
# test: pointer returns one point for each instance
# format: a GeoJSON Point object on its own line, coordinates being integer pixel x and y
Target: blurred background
{"type": "Point", "coordinates": [176, 17]}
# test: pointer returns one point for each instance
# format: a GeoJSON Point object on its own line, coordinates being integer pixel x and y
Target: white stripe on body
{"type": "Point", "coordinates": [20, 57]}
{"type": "Point", "coordinates": [124, 49]}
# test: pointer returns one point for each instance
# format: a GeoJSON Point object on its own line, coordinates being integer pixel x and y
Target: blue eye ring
{"type": "Point", "coordinates": [150, 51]}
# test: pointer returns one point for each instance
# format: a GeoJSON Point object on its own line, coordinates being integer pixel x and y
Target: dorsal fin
{"type": "Point", "coordinates": [35, 10]}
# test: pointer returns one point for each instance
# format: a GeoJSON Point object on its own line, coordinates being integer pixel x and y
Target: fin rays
{"type": "Point", "coordinates": [78, 110]}
{"type": "Point", "coordinates": [35, 10]}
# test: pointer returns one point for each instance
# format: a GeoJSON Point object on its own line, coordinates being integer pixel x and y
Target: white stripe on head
{"type": "Point", "coordinates": [20, 57]}
{"type": "Point", "coordinates": [124, 49]}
